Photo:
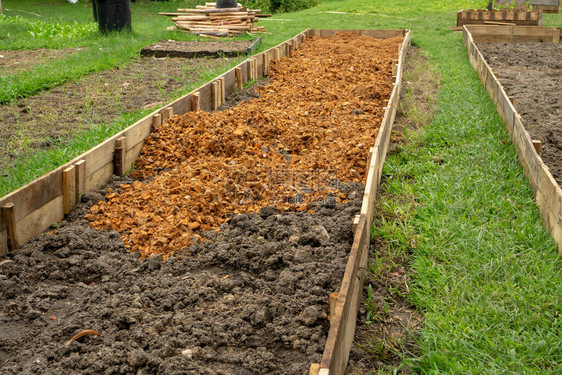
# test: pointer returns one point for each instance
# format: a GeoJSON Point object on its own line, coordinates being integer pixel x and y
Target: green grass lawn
{"type": "Point", "coordinates": [486, 274]}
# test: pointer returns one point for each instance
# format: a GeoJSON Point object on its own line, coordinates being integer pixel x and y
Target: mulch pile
{"type": "Point", "coordinates": [310, 127]}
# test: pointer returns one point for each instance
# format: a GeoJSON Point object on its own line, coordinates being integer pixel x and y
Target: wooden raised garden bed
{"type": "Point", "coordinates": [30, 210]}
{"type": "Point", "coordinates": [548, 6]}
{"type": "Point", "coordinates": [547, 191]}
{"type": "Point", "coordinates": [499, 17]}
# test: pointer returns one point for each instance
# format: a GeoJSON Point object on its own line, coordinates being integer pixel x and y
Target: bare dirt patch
{"type": "Point", "coordinates": [16, 61]}
{"type": "Point", "coordinates": [387, 321]}
{"type": "Point", "coordinates": [531, 73]}
{"type": "Point", "coordinates": [174, 48]}
{"type": "Point", "coordinates": [41, 121]}
{"type": "Point", "coordinates": [252, 299]}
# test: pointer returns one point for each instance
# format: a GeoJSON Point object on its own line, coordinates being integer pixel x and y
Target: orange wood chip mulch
{"type": "Point", "coordinates": [314, 122]}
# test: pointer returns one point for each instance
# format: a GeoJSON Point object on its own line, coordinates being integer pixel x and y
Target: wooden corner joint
{"type": "Point", "coordinates": [156, 121]}
{"type": "Point", "coordinates": [537, 145]}
{"type": "Point", "coordinates": [119, 157]}
{"type": "Point", "coordinates": [238, 78]}
{"type": "Point", "coordinates": [314, 369]}
{"type": "Point", "coordinates": [195, 102]}
{"type": "Point", "coordinates": [69, 189]}
{"type": "Point", "coordinates": [214, 95]}
{"type": "Point", "coordinates": [333, 302]}
{"type": "Point", "coordinates": [8, 213]}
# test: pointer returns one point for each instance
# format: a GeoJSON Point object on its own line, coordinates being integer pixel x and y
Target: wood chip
{"type": "Point", "coordinates": [310, 127]}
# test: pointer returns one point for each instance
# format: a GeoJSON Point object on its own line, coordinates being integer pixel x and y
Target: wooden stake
{"type": "Point", "coordinates": [214, 95]}
{"type": "Point", "coordinates": [287, 49]}
{"type": "Point", "coordinates": [251, 70]}
{"type": "Point", "coordinates": [255, 68]}
{"type": "Point", "coordinates": [222, 96]}
{"type": "Point", "coordinates": [168, 114]}
{"type": "Point", "coordinates": [80, 173]}
{"type": "Point", "coordinates": [68, 189]}
{"type": "Point", "coordinates": [537, 145]}
{"type": "Point", "coordinates": [394, 68]}
{"type": "Point", "coordinates": [292, 46]}
{"type": "Point", "coordinates": [265, 64]}
{"type": "Point", "coordinates": [277, 53]}
{"type": "Point", "coordinates": [238, 81]}
{"type": "Point", "coordinates": [355, 223]}
{"type": "Point", "coordinates": [156, 121]}
{"type": "Point", "coordinates": [333, 301]}
{"type": "Point", "coordinates": [369, 157]}
{"type": "Point", "coordinates": [314, 369]}
{"type": "Point", "coordinates": [219, 92]}
{"type": "Point", "coordinates": [119, 157]}
{"type": "Point", "coordinates": [195, 102]}
{"type": "Point", "coordinates": [10, 221]}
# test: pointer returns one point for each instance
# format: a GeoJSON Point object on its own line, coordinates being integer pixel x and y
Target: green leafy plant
{"type": "Point", "coordinates": [47, 30]}
{"type": "Point", "coordinates": [372, 316]}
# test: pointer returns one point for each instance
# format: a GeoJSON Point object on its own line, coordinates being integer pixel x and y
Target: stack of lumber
{"type": "Point", "coordinates": [209, 20]}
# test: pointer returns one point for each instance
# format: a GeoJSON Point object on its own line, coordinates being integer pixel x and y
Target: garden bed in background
{"type": "Point", "coordinates": [174, 48]}
{"type": "Point", "coordinates": [19, 60]}
{"type": "Point", "coordinates": [531, 74]}
{"type": "Point", "coordinates": [61, 113]}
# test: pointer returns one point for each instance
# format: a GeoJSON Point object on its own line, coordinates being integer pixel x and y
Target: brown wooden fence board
{"type": "Point", "coordinates": [372, 33]}
{"type": "Point", "coordinates": [513, 34]}
{"type": "Point", "coordinates": [39, 220]}
{"type": "Point", "coordinates": [99, 178]}
{"type": "Point", "coordinates": [34, 195]}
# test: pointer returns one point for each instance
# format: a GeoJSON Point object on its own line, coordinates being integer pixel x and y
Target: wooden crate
{"type": "Point", "coordinates": [548, 6]}
{"type": "Point", "coordinates": [547, 191]}
{"type": "Point", "coordinates": [499, 17]}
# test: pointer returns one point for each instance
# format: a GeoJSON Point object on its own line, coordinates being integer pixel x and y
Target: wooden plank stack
{"type": "Point", "coordinates": [209, 20]}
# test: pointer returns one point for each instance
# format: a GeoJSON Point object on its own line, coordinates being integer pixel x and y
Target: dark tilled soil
{"type": "Point", "coordinates": [253, 299]}
{"type": "Point", "coordinates": [531, 73]}
{"type": "Point", "coordinates": [16, 61]}
{"type": "Point", "coordinates": [173, 48]}
{"type": "Point", "coordinates": [41, 121]}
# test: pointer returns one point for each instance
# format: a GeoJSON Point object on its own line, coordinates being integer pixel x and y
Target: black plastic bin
{"type": "Point", "coordinates": [226, 4]}
{"type": "Point", "coordinates": [112, 15]}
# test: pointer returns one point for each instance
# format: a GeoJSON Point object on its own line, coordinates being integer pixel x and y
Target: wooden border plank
{"type": "Point", "coordinates": [342, 328]}
{"type": "Point", "coordinates": [11, 229]}
{"type": "Point", "coordinates": [119, 156]}
{"type": "Point", "coordinates": [68, 189]}
{"type": "Point", "coordinates": [195, 102]}
{"type": "Point", "coordinates": [80, 179]}
{"type": "Point", "coordinates": [35, 194]}
{"type": "Point", "coordinates": [513, 34]}
{"type": "Point", "coordinates": [239, 83]}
